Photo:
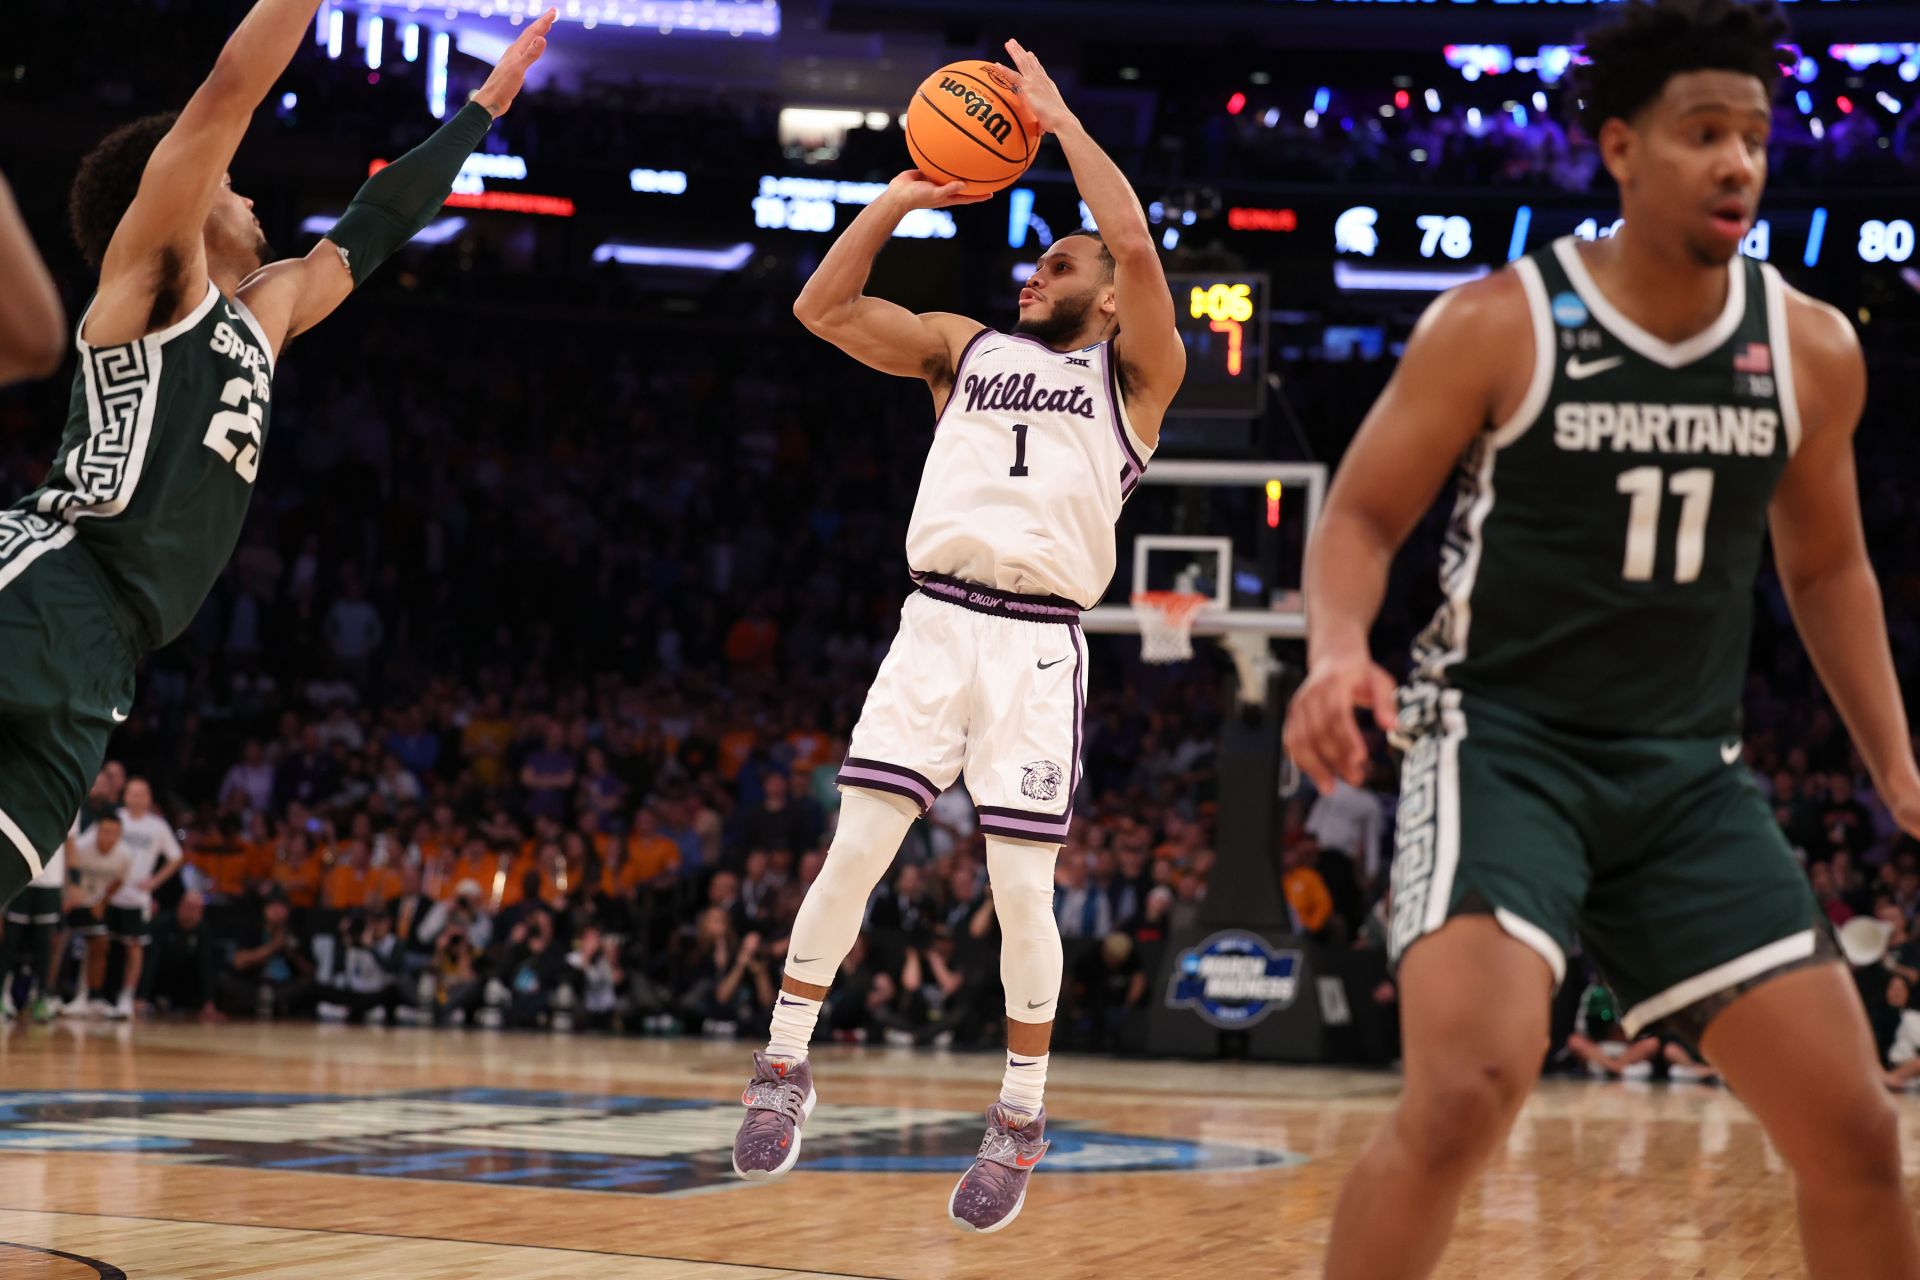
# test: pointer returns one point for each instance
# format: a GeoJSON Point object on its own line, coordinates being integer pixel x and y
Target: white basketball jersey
{"type": "Point", "coordinates": [1032, 459]}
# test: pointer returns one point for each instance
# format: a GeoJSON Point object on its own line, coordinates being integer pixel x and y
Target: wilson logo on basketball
{"type": "Point", "coordinates": [992, 122]}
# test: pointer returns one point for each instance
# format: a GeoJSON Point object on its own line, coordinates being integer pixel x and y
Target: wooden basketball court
{"type": "Point", "coordinates": [188, 1153]}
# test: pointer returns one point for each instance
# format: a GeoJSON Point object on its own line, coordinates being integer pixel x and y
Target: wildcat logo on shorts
{"type": "Point", "coordinates": [1234, 979]}
{"type": "Point", "coordinates": [1041, 781]}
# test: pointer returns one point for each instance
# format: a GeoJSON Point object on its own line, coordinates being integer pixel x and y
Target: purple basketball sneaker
{"type": "Point", "coordinates": [990, 1195]}
{"type": "Point", "coordinates": [778, 1099]}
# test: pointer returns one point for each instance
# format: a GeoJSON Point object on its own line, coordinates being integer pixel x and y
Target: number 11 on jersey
{"type": "Point", "coordinates": [1642, 485]}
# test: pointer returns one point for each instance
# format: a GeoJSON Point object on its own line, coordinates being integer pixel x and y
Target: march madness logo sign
{"type": "Point", "coordinates": [567, 1141]}
{"type": "Point", "coordinates": [1234, 979]}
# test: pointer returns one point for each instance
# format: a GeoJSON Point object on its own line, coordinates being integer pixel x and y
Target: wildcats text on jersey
{"type": "Point", "coordinates": [1015, 393]}
{"type": "Point", "coordinates": [1734, 431]}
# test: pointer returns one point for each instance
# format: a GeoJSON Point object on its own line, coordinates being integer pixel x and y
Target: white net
{"type": "Point", "coordinates": [1166, 624]}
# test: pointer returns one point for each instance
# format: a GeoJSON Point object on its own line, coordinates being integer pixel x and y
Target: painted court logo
{"type": "Point", "coordinates": [564, 1141]}
{"type": "Point", "coordinates": [1234, 979]}
{"type": "Point", "coordinates": [1041, 781]}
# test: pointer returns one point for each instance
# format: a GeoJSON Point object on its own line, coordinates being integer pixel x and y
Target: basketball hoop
{"type": "Point", "coordinates": [1166, 624]}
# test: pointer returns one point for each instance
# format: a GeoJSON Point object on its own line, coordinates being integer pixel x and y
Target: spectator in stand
{"type": "Point", "coordinates": [1082, 910]}
{"type": "Point", "coordinates": [179, 974]}
{"type": "Point", "coordinates": [249, 781]}
{"type": "Point", "coordinates": [1351, 820]}
{"type": "Point", "coordinates": [1308, 901]}
{"type": "Point", "coordinates": [271, 975]}
{"type": "Point", "coordinates": [549, 775]}
{"type": "Point", "coordinates": [780, 821]}
{"type": "Point", "coordinates": [1107, 984]}
{"type": "Point", "coordinates": [354, 630]}
{"type": "Point", "coordinates": [307, 776]}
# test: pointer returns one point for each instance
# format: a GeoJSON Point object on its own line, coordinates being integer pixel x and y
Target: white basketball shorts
{"type": "Point", "coordinates": [983, 684]}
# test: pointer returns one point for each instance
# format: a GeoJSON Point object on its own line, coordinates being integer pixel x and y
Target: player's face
{"type": "Point", "coordinates": [1064, 290]}
{"type": "Point", "coordinates": [1693, 164]}
{"type": "Point", "coordinates": [233, 233]}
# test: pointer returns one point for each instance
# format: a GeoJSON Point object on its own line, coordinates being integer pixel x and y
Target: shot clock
{"type": "Point", "coordinates": [1222, 319]}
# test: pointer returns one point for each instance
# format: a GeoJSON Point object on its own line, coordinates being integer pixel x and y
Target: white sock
{"type": "Point", "coordinates": [1024, 1083]}
{"type": "Point", "coordinates": [793, 1019]}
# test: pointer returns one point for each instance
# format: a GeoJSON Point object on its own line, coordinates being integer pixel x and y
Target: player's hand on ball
{"type": "Point", "coordinates": [917, 191]}
{"type": "Point", "coordinates": [1042, 95]}
{"type": "Point", "coordinates": [503, 86]}
{"type": "Point", "coordinates": [1322, 737]}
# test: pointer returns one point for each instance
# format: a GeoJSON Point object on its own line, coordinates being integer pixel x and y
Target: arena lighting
{"type": "Point", "coordinates": [1804, 101]}
{"type": "Point", "coordinates": [410, 42]}
{"type": "Point", "coordinates": [376, 28]}
{"type": "Point", "coordinates": [659, 182]}
{"type": "Point", "coordinates": [1355, 279]}
{"type": "Point", "coordinates": [1019, 216]}
{"type": "Point", "coordinates": [731, 258]}
{"type": "Point", "coordinates": [1522, 223]}
{"type": "Point", "coordinates": [439, 231]}
{"type": "Point", "coordinates": [1816, 232]}
{"type": "Point", "coordinates": [437, 74]}
{"type": "Point", "coordinates": [1888, 101]}
{"type": "Point", "coordinates": [1402, 99]}
{"type": "Point", "coordinates": [1844, 103]}
{"type": "Point", "coordinates": [495, 201]}
{"type": "Point", "coordinates": [1433, 99]}
{"type": "Point", "coordinates": [1322, 99]}
{"type": "Point", "coordinates": [1236, 103]}
{"type": "Point", "coordinates": [757, 18]}
{"type": "Point", "coordinates": [323, 24]}
{"type": "Point", "coordinates": [336, 32]}
{"type": "Point", "coordinates": [1239, 219]}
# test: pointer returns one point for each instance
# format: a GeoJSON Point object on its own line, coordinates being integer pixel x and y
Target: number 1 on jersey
{"type": "Point", "coordinates": [1642, 485]}
{"type": "Point", "coordinates": [1019, 467]}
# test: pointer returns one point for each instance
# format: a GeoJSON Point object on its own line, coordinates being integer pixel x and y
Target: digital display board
{"type": "Point", "coordinates": [1222, 319]}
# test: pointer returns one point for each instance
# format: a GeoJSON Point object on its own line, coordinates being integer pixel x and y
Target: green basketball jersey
{"type": "Point", "coordinates": [157, 463]}
{"type": "Point", "coordinates": [1599, 567]}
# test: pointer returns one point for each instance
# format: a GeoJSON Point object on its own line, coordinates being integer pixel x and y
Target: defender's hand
{"type": "Point", "coordinates": [503, 86]}
{"type": "Point", "coordinates": [913, 189]}
{"type": "Point", "coordinates": [1037, 87]}
{"type": "Point", "coordinates": [1322, 737]}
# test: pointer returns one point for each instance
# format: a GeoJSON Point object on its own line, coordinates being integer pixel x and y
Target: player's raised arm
{"type": "Point", "coordinates": [880, 334]}
{"type": "Point", "coordinates": [1148, 345]}
{"type": "Point", "coordinates": [33, 329]}
{"type": "Point", "coordinates": [288, 298]}
{"type": "Point", "coordinates": [157, 251]}
{"type": "Point", "coordinates": [1447, 388]}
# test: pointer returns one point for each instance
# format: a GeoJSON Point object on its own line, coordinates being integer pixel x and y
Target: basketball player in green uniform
{"type": "Point", "coordinates": [1629, 419]}
{"type": "Point", "coordinates": [32, 328]}
{"type": "Point", "coordinates": [113, 555]}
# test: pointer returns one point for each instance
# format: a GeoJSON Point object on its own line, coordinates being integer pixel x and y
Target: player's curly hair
{"type": "Point", "coordinates": [1106, 254]}
{"type": "Point", "coordinates": [1630, 61]}
{"type": "Point", "coordinates": [108, 179]}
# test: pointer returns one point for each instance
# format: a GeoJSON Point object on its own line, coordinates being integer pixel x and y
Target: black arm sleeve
{"type": "Point", "coordinates": [402, 198]}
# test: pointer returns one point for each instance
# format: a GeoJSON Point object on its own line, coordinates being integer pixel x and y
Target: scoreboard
{"type": "Point", "coordinates": [1222, 319]}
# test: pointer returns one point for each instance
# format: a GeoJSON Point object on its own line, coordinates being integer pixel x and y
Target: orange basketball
{"type": "Point", "coordinates": [968, 121]}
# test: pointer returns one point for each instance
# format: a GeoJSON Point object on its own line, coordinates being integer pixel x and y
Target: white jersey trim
{"type": "Point", "coordinates": [259, 334]}
{"type": "Point", "coordinates": [1541, 312]}
{"type": "Point", "coordinates": [1671, 355]}
{"type": "Point", "coordinates": [120, 382]}
{"type": "Point", "coordinates": [959, 366]}
{"type": "Point", "coordinates": [1779, 338]}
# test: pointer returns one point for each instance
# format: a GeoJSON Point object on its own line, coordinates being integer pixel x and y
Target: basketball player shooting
{"type": "Point", "coordinates": [1629, 419]}
{"type": "Point", "coordinates": [1039, 436]}
{"type": "Point", "coordinates": [114, 554]}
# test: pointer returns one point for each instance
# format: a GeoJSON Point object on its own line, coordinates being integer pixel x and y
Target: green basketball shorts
{"type": "Point", "coordinates": [67, 658]}
{"type": "Point", "coordinates": [1659, 853]}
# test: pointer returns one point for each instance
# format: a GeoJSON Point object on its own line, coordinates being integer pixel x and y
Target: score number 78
{"type": "Point", "coordinates": [1226, 307]}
